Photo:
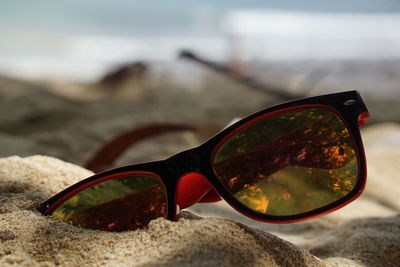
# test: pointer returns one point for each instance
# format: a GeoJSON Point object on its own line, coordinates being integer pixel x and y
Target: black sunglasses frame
{"type": "Point", "coordinates": [349, 106]}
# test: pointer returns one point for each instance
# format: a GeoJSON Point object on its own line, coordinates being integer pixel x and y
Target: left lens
{"type": "Point", "coordinates": [288, 163]}
{"type": "Point", "coordinates": [117, 204]}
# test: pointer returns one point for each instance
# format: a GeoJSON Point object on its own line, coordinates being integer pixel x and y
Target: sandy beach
{"type": "Point", "coordinates": [49, 129]}
{"type": "Point", "coordinates": [86, 86]}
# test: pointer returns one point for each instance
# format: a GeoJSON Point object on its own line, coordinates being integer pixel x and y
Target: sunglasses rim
{"type": "Point", "coordinates": [353, 194]}
{"type": "Point", "coordinates": [101, 179]}
{"type": "Point", "coordinates": [348, 105]}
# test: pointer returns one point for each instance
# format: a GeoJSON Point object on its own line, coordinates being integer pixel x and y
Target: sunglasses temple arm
{"type": "Point", "coordinates": [195, 188]}
{"type": "Point", "coordinates": [362, 118]}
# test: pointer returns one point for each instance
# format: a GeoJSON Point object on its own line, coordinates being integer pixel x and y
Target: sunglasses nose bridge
{"type": "Point", "coordinates": [193, 188]}
{"type": "Point", "coordinates": [192, 185]}
{"type": "Point", "coordinates": [183, 163]}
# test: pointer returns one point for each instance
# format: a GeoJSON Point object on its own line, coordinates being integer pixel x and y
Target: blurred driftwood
{"type": "Point", "coordinates": [135, 70]}
{"type": "Point", "coordinates": [245, 80]}
{"type": "Point", "coordinates": [110, 151]}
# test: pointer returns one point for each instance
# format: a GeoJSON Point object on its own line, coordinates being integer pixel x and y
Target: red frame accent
{"type": "Point", "coordinates": [193, 188]}
{"type": "Point", "coordinates": [362, 118]}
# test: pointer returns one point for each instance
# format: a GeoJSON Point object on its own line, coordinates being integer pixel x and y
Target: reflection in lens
{"type": "Point", "coordinates": [117, 204]}
{"type": "Point", "coordinates": [290, 163]}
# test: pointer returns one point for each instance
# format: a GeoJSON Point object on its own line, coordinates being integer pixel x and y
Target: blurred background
{"type": "Point", "coordinates": [76, 74]}
{"type": "Point", "coordinates": [81, 40]}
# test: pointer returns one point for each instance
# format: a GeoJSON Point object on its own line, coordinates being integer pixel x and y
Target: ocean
{"type": "Point", "coordinates": [81, 40]}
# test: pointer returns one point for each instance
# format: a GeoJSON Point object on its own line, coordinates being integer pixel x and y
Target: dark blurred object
{"type": "Point", "coordinates": [238, 76]}
{"type": "Point", "coordinates": [124, 72]}
{"type": "Point", "coordinates": [105, 157]}
{"type": "Point", "coordinates": [7, 235]}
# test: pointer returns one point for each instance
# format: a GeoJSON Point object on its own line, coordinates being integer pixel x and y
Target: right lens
{"type": "Point", "coordinates": [289, 163]}
{"type": "Point", "coordinates": [117, 204]}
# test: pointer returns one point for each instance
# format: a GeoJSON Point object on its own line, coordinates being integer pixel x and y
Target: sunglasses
{"type": "Point", "coordinates": [283, 164]}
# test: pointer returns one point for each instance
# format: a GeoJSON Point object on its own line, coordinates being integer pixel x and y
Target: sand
{"type": "Point", "coordinates": [24, 182]}
{"type": "Point", "coordinates": [365, 233]}
{"type": "Point", "coordinates": [34, 120]}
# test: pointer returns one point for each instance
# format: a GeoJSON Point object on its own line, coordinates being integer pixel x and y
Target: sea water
{"type": "Point", "coordinates": [81, 40]}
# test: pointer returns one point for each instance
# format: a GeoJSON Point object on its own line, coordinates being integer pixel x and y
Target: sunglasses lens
{"type": "Point", "coordinates": [289, 163]}
{"type": "Point", "coordinates": [118, 204]}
